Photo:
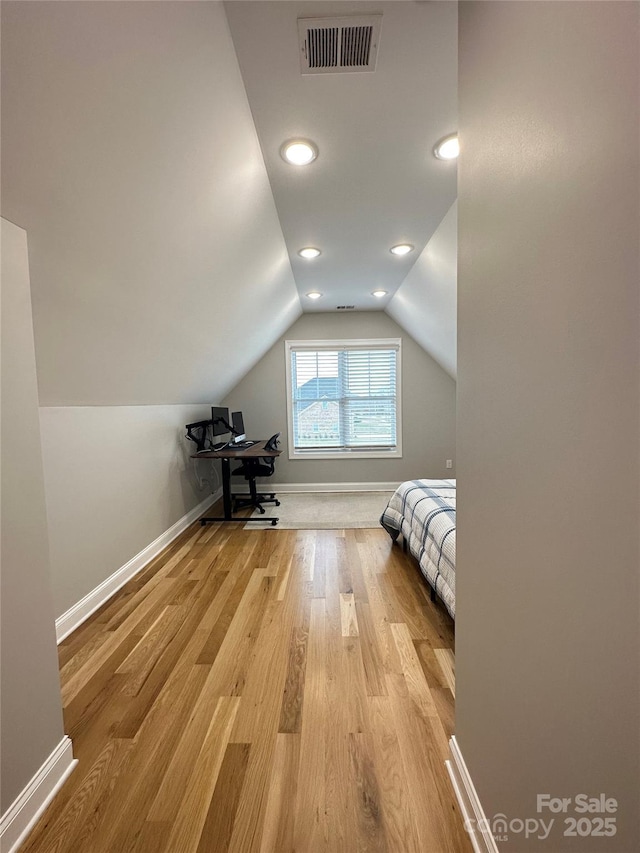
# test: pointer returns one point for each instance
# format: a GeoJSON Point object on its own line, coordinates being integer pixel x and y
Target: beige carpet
{"type": "Point", "coordinates": [325, 510]}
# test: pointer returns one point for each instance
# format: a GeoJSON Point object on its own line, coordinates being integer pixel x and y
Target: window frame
{"type": "Point", "coordinates": [351, 343]}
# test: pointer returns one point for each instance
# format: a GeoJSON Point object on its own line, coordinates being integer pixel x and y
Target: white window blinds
{"type": "Point", "coordinates": [344, 396]}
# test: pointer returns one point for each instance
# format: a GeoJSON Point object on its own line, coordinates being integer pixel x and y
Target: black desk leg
{"type": "Point", "coordinates": [226, 488]}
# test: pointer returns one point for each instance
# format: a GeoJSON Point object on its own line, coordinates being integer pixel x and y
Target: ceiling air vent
{"type": "Point", "coordinates": [338, 45]}
{"type": "Point", "coordinates": [345, 307]}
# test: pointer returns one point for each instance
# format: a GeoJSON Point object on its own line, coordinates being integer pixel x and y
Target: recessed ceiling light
{"type": "Point", "coordinates": [314, 294]}
{"type": "Point", "coordinates": [448, 148]}
{"type": "Point", "coordinates": [309, 252]}
{"type": "Point", "coordinates": [379, 293]}
{"type": "Point", "coordinates": [298, 152]}
{"type": "Point", "coordinates": [401, 249]}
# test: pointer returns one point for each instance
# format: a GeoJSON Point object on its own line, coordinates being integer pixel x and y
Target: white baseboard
{"type": "Point", "coordinates": [283, 488]}
{"type": "Point", "coordinates": [76, 615]}
{"type": "Point", "coordinates": [475, 821]}
{"type": "Point", "coordinates": [19, 819]}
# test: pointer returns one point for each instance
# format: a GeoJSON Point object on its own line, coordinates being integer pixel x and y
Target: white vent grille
{"type": "Point", "coordinates": [331, 45]}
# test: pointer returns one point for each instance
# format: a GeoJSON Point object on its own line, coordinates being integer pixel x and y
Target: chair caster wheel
{"type": "Point", "coordinates": [274, 522]}
{"type": "Point", "coordinates": [261, 510]}
{"type": "Point", "coordinates": [277, 503]}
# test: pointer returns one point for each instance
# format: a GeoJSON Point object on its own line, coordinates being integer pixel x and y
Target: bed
{"type": "Point", "coordinates": [424, 512]}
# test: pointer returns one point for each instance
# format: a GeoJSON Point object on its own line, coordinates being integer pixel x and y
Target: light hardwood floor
{"type": "Point", "coordinates": [261, 690]}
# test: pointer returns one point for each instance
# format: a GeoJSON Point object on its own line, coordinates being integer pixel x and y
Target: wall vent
{"type": "Point", "coordinates": [345, 307]}
{"type": "Point", "coordinates": [338, 45]}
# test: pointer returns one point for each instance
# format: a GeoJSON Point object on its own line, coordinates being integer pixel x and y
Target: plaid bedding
{"type": "Point", "coordinates": [424, 511]}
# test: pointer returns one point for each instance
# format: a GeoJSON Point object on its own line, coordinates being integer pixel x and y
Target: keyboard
{"type": "Point", "coordinates": [223, 445]}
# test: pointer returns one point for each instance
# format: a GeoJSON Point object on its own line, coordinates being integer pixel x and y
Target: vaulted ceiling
{"type": "Point", "coordinates": [162, 248]}
{"type": "Point", "coordinates": [375, 182]}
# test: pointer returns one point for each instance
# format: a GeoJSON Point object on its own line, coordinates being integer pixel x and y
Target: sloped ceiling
{"type": "Point", "coordinates": [426, 303]}
{"type": "Point", "coordinates": [375, 182]}
{"type": "Point", "coordinates": [158, 267]}
{"type": "Point", "coordinates": [130, 155]}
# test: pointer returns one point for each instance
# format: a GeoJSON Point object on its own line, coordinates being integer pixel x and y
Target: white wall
{"type": "Point", "coordinates": [130, 156]}
{"type": "Point", "coordinates": [425, 303]}
{"type": "Point", "coordinates": [547, 642]}
{"type": "Point", "coordinates": [116, 478]}
{"type": "Point", "coordinates": [428, 406]}
{"type": "Point", "coordinates": [31, 707]}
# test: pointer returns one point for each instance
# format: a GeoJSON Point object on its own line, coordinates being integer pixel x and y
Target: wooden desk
{"type": "Point", "coordinates": [225, 456]}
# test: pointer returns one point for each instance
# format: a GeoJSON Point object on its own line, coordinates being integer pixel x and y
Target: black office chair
{"type": "Point", "coordinates": [262, 466]}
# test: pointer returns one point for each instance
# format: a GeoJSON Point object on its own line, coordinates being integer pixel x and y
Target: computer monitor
{"type": "Point", "coordinates": [220, 419]}
{"type": "Point", "coordinates": [237, 422]}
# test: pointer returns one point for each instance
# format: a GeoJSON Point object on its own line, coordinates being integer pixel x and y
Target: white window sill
{"type": "Point", "coordinates": [346, 454]}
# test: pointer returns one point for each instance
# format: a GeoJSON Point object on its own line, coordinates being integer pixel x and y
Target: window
{"type": "Point", "coordinates": [343, 397]}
